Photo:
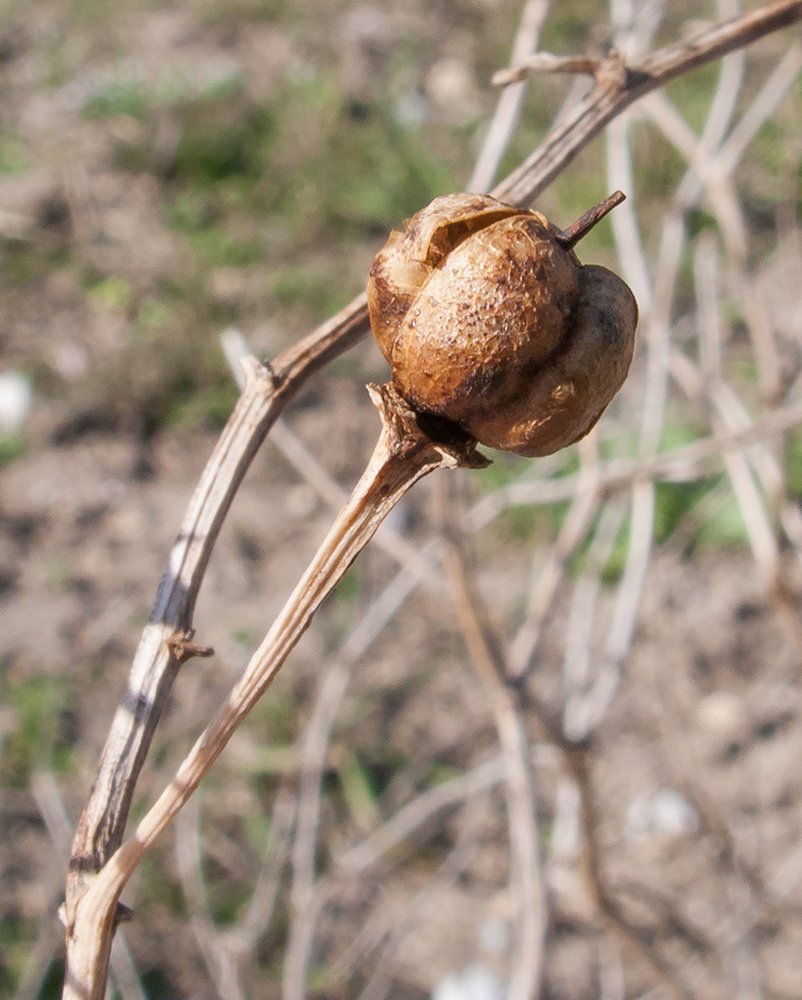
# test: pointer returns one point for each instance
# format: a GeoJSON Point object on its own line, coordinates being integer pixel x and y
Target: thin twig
{"type": "Point", "coordinates": [579, 627]}
{"type": "Point", "coordinates": [238, 355]}
{"type": "Point", "coordinates": [51, 808]}
{"type": "Point", "coordinates": [418, 811]}
{"type": "Point", "coordinates": [577, 759]}
{"type": "Point", "coordinates": [526, 879]}
{"type": "Point", "coordinates": [302, 890]}
{"type": "Point", "coordinates": [508, 108]}
{"type": "Point", "coordinates": [383, 925]}
{"type": "Point", "coordinates": [547, 62]}
{"type": "Point", "coordinates": [189, 861]}
{"type": "Point", "coordinates": [684, 464]}
{"type": "Point", "coordinates": [585, 499]}
{"type": "Point", "coordinates": [626, 84]}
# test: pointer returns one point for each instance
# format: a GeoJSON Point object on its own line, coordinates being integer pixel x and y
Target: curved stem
{"type": "Point", "coordinates": [403, 454]}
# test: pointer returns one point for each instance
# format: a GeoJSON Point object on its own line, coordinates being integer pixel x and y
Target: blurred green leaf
{"type": "Point", "coordinates": [726, 529]}
{"type": "Point", "coordinates": [359, 793]}
{"type": "Point", "coordinates": [300, 285]}
{"type": "Point", "coordinates": [793, 461]}
{"type": "Point", "coordinates": [12, 446]}
{"type": "Point", "coordinates": [673, 501]}
{"type": "Point", "coordinates": [14, 158]}
{"type": "Point", "coordinates": [207, 407]}
{"type": "Point", "coordinates": [218, 249]}
{"type": "Point", "coordinates": [110, 293]}
{"type": "Point", "coordinates": [121, 97]}
{"type": "Point", "coordinates": [219, 143]}
{"type": "Point", "coordinates": [16, 939]}
{"type": "Point", "coordinates": [41, 737]}
{"type": "Point", "coordinates": [154, 314]}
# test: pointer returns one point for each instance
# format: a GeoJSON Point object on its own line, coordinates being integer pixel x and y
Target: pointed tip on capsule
{"type": "Point", "coordinates": [569, 237]}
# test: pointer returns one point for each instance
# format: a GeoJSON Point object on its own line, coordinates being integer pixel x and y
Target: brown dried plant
{"type": "Point", "coordinates": [102, 862]}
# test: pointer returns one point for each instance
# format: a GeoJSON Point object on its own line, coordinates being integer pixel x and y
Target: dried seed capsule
{"type": "Point", "coordinates": [489, 320]}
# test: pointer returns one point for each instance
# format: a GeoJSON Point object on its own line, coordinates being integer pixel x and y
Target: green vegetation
{"type": "Point", "coordinates": [15, 939]}
{"type": "Point", "coordinates": [14, 157]}
{"type": "Point", "coordinates": [109, 293]}
{"type": "Point", "coordinates": [41, 736]}
{"type": "Point", "coordinates": [23, 264]}
{"type": "Point", "coordinates": [726, 528]}
{"type": "Point", "coordinates": [207, 407]}
{"type": "Point", "coordinates": [359, 792]}
{"type": "Point", "coordinates": [296, 285]}
{"type": "Point", "coordinates": [793, 462]}
{"type": "Point", "coordinates": [692, 92]}
{"type": "Point", "coordinates": [275, 719]}
{"type": "Point", "coordinates": [121, 97]}
{"type": "Point", "coordinates": [303, 163]}
{"type": "Point", "coordinates": [11, 446]}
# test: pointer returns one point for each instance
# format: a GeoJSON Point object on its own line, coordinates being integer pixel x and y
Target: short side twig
{"type": "Point", "coordinates": [547, 62]}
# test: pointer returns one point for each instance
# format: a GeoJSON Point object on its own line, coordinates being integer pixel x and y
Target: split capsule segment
{"type": "Point", "coordinates": [489, 320]}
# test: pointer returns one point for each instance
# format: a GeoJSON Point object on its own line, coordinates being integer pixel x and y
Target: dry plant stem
{"type": "Point", "coordinates": [507, 113]}
{"type": "Point", "coordinates": [403, 455]}
{"type": "Point", "coordinates": [508, 703]}
{"type": "Point", "coordinates": [676, 466]}
{"type": "Point", "coordinates": [546, 62]}
{"type": "Point", "coordinates": [303, 902]}
{"type": "Point", "coordinates": [618, 85]}
{"type": "Point", "coordinates": [577, 758]}
{"type": "Point", "coordinates": [267, 391]}
{"type": "Point", "coordinates": [417, 812]}
{"type": "Point", "coordinates": [630, 932]}
{"type": "Point", "coordinates": [156, 664]}
{"type": "Point", "coordinates": [526, 880]}
{"type": "Point", "coordinates": [153, 672]}
{"type": "Point", "coordinates": [569, 237]}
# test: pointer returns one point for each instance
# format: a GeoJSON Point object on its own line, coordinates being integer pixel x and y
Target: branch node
{"type": "Point", "coordinates": [258, 371]}
{"type": "Point", "coordinates": [182, 648]}
{"type": "Point", "coordinates": [610, 72]}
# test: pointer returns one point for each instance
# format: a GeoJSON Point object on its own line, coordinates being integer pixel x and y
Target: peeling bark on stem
{"type": "Point", "coordinates": [404, 454]}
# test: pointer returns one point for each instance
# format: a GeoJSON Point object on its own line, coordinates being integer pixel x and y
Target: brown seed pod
{"type": "Point", "coordinates": [489, 320]}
